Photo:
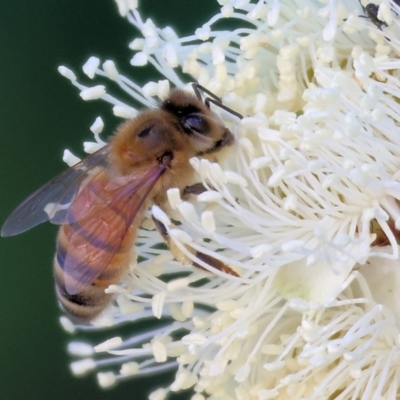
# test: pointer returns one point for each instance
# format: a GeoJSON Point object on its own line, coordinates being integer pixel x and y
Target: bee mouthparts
{"type": "Point", "coordinates": [166, 158]}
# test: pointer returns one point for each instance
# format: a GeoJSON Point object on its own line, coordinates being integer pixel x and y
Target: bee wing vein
{"type": "Point", "coordinates": [52, 200]}
{"type": "Point", "coordinates": [95, 239]}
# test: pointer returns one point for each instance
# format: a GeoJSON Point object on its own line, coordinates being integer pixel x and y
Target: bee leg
{"type": "Point", "coordinates": [213, 262]}
{"type": "Point", "coordinates": [185, 260]}
{"type": "Point", "coordinates": [176, 252]}
{"type": "Point", "coordinates": [195, 190]}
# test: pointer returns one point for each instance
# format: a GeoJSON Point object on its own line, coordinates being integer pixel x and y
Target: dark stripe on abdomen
{"type": "Point", "coordinates": [93, 240]}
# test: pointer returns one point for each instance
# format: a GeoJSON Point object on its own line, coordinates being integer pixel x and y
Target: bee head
{"type": "Point", "coordinates": [204, 129]}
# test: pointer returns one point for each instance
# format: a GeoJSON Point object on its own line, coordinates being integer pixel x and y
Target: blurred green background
{"type": "Point", "coordinates": [41, 114]}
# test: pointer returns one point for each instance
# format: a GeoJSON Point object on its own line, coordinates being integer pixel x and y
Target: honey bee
{"type": "Point", "coordinates": [100, 202]}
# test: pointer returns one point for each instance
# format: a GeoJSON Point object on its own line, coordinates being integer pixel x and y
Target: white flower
{"type": "Point", "coordinates": [306, 211]}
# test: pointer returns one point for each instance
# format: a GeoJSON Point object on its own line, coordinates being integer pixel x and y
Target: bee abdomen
{"type": "Point", "coordinates": [92, 300]}
{"type": "Point", "coordinates": [83, 306]}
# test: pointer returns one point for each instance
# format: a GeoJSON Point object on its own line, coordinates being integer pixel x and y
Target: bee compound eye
{"type": "Point", "coordinates": [197, 123]}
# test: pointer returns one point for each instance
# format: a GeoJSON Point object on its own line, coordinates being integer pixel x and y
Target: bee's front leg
{"type": "Point", "coordinates": [176, 252]}
{"type": "Point", "coordinates": [195, 190]}
{"type": "Point", "coordinates": [184, 259]}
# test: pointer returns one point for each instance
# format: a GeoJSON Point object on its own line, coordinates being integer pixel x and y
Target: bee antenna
{"type": "Point", "coordinates": [212, 99]}
{"type": "Point", "coordinates": [208, 100]}
{"type": "Point", "coordinates": [197, 87]}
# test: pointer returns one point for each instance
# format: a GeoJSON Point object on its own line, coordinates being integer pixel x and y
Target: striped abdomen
{"type": "Point", "coordinates": [93, 249]}
{"type": "Point", "coordinates": [88, 303]}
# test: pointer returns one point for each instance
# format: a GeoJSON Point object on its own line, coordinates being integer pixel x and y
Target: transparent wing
{"type": "Point", "coordinates": [103, 213]}
{"type": "Point", "coordinates": [52, 201]}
